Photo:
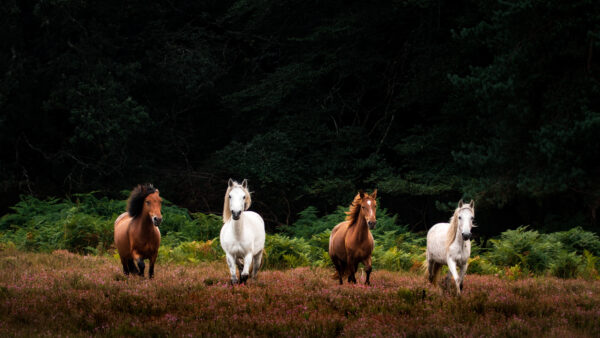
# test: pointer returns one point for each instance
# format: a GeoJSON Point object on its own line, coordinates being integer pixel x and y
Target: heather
{"type": "Point", "coordinates": [61, 293]}
{"type": "Point", "coordinates": [83, 224]}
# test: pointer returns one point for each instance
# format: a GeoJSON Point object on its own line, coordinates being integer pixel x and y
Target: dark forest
{"type": "Point", "coordinates": [427, 101]}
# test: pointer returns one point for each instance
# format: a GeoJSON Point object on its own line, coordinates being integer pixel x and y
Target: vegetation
{"type": "Point", "coordinates": [84, 225]}
{"type": "Point", "coordinates": [71, 295]}
{"type": "Point", "coordinates": [429, 101]}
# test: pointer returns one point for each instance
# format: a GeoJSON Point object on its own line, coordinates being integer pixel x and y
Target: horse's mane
{"type": "Point", "coordinates": [454, 224]}
{"type": "Point", "coordinates": [226, 210]}
{"type": "Point", "coordinates": [354, 212]}
{"type": "Point", "coordinates": [135, 203]}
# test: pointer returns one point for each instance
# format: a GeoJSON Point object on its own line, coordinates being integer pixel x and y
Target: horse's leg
{"type": "Point", "coordinates": [352, 268]}
{"type": "Point", "coordinates": [368, 269]}
{"type": "Point", "coordinates": [231, 263]}
{"type": "Point", "coordinates": [131, 268]}
{"type": "Point", "coordinates": [125, 266]}
{"type": "Point", "coordinates": [433, 269]}
{"type": "Point", "coordinates": [256, 261]}
{"type": "Point", "coordinates": [151, 269]}
{"type": "Point", "coordinates": [463, 272]}
{"type": "Point", "coordinates": [245, 273]}
{"type": "Point", "coordinates": [452, 268]}
{"type": "Point", "coordinates": [339, 267]}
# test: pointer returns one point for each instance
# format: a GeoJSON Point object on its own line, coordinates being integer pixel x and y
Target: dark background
{"type": "Point", "coordinates": [429, 101]}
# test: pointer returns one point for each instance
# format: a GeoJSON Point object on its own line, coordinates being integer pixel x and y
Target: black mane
{"type": "Point", "coordinates": [135, 204]}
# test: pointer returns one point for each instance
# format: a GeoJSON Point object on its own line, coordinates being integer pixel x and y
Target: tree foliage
{"type": "Point", "coordinates": [429, 101]}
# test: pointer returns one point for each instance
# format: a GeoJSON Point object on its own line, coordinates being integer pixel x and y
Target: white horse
{"type": "Point", "coordinates": [450, 244]}
{"type": "Point", "coordinates": [242, 234]}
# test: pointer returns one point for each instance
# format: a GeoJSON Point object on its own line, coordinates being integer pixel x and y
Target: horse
{"type": "Point", "coordinates": [450, 244]}
{"type": "Point", "coordinates": [243, 233]}
{"type": "Point", "coordinates": [136, 231]}
{"type": "Point", "coordinates": [351, 241]}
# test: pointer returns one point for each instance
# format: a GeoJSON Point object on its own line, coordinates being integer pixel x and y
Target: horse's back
{"type": "Point", "coordinates": [436, 242]}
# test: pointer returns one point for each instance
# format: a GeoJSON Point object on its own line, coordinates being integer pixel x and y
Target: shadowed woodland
{"type": "Point", "coordinates": [428, 101]}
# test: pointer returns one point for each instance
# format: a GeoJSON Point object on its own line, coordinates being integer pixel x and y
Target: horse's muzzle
{"type": "Point", "coordinates": [156, 220]}
{"type": "Point", "coordinates": [466, 236]}
{"type": "Point", "coordinates": [371, 224]}
{"type": "Point", "coordinates": [236, 215]}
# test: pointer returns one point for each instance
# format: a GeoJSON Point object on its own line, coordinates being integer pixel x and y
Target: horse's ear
{"type": "Point", "coordinates": [230, 182]}
{"type": "Point", "coordinates": [472, 204]}
{"type": "Point", "coordinates": [374, 194]}
{"type": "Point", "coordinates": [460, 203]}
{"type": "Point", "coordinates": [157, 192]}
{"type": "Point", "coordinates": [245, 184]}
{"type": "Point", "coordinates": [361, 193]}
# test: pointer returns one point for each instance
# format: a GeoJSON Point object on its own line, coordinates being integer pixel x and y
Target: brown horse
{"type": "Point", "coordinates": [136, 231]}
{"type": "Point", "coordinates": [351, 241]}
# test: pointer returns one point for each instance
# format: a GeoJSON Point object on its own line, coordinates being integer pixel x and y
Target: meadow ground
{"type": "Point", "coordinates": [66, 294]}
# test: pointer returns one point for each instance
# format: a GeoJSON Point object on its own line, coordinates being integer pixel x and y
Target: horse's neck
{"type": "Point", "coordinates": [237, 227]}
{"type": "Point", "coordinates": [362, 230]}
{"type": "Point", "coordinates": [143, 224]}
{"type": "Point", "coordinates": [458, 239]}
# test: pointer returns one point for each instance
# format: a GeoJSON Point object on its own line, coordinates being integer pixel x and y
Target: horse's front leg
{"type": "Point", "coordinates": [247, 262]}
{"type": "Point", "coordinates": [352, 267]}
{"type": "Point", "coordinates": [140, 263]}
{"type": "Point", "coordinates": [151, 269]}
{"type": "Point", "coordinates": [463, 272]}
{"type": "Point", "coordinates": [368, 269]}
{"type": "Point", "coordinates": [452, 268]}
{"type": "Point", "coordinates": [231, 264]}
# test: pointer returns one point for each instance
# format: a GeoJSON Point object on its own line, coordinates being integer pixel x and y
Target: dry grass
{"type": "Point", "coordinates": [66, 294]}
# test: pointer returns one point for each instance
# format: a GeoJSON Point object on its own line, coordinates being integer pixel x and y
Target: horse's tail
{"type": "Point", "coordinates": [262, 261]}
{"type": "Point", "coordinates": [425, 265]}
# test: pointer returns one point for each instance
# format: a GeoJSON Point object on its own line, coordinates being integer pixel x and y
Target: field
{"type": "Point", "coordinates": [67, 294]}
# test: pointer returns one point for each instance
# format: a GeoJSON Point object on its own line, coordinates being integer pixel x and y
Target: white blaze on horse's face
{"type": "Point", "coordinates": [237, 202]}
{"type": "Point", "coordinates": [465, 222]}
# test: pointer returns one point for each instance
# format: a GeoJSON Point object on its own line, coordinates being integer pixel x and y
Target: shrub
{"type": "Point", "coordinates": [285, 252]}
{"type": "Point", "coordinates": [566, 265]}
{"type": "Point", "coordinates": [526, 248]}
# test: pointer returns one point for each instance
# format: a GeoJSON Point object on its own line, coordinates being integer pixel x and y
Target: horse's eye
{"type": "Point", "coordinates": [147, 202]}
{"type": "Point", "coordinates": [471, 218]}
{"type": "Point", "coordinates": [459, 217]}
{"type": "Point", "coordinates": [229, 197]}
{"type": "Point", "coordinates": [244, 197]}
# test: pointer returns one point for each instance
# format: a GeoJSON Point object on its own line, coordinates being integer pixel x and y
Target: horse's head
{"type": "Point", "coordinates": [152, 205]}
{"type": "Point", "coordinates": [144, 200]}
{"type": "Point", "coordinates": [465, 215]}
{"type": "Point", "coordinates": [239, 198]}
{"type": "Point", "coordinates": [368, 207]}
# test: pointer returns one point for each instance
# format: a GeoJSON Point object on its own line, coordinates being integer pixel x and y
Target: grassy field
{"type": "Point", "coordinates": [67, 294]}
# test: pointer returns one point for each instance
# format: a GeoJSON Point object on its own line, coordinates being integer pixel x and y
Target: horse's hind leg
{"type": "Point", "coordinates": [125, 264]}
{"type": "Point", "coordinates": [256, 261]}
{"type": "Point", "coordinates": [432, 268]}
{"type": "Point", "coordinates": [339, 268]}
